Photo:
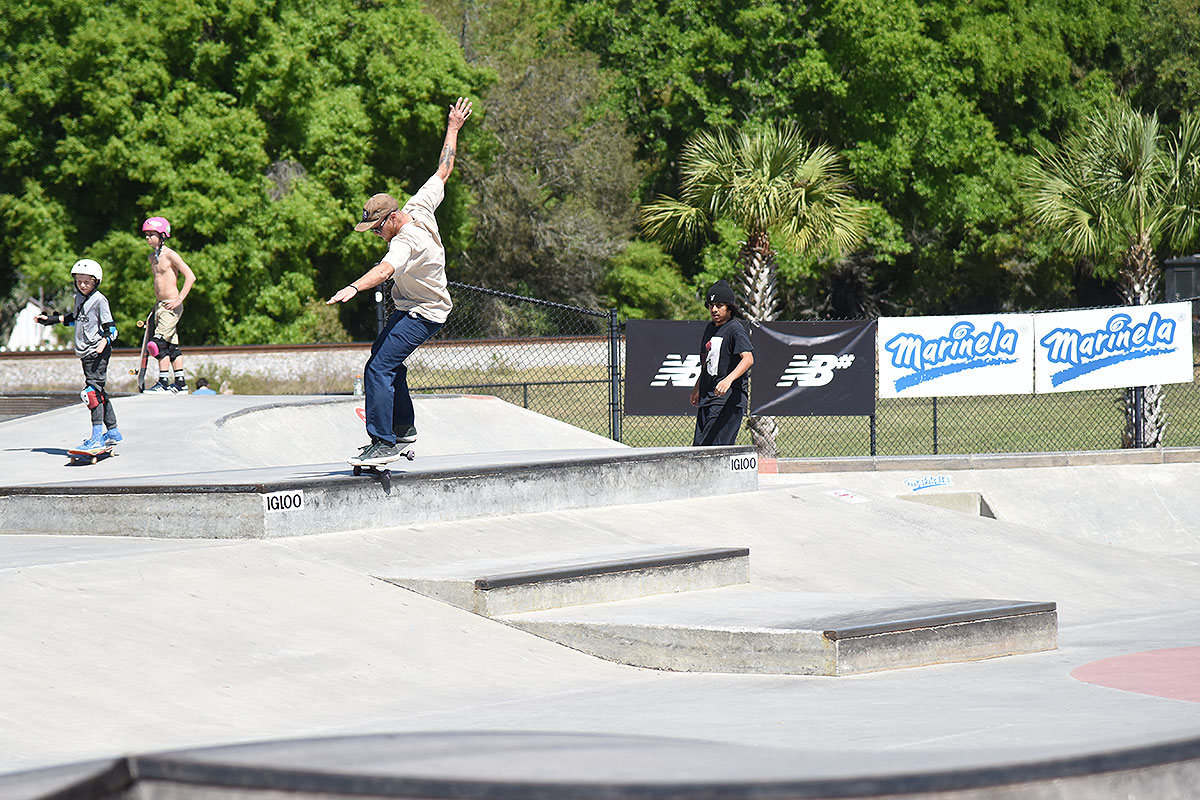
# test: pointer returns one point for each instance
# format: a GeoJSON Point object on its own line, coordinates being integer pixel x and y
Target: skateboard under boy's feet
{"type": "Point", "coordinates": [79, 457]}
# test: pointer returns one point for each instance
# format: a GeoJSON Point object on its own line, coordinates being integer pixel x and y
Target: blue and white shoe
{"type": "Point", "coordinates": [159, 388]}
{"type": "Point", "coordinates": [96, 442]}
{"type": "Point", "coordinates": [113, 437]}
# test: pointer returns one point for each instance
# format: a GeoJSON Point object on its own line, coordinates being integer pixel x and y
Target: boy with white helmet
{"type": "Point", "coordinates": [94, 334]}
{"type": "Point", "coordinates": [167, 267]}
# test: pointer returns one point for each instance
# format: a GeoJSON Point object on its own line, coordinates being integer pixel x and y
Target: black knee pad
{"type": "Point", "coordinates": [161, 344]}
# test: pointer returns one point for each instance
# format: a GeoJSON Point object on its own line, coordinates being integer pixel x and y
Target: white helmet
{"type": "Point", "coordinates": [86, 266]}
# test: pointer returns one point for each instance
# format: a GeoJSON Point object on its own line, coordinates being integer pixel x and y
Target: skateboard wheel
{"type": "Point", "coordinates": [141, 323]}
{"type": "Point", "coordinates": [410, 455]}
{"type": "Point", "coordinates": [357, 471]}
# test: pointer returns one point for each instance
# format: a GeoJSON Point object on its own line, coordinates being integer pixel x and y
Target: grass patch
{"type": "Point", "coordinates": [990, 424]}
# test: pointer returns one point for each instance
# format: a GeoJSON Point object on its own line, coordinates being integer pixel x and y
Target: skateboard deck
{"type": "Point", "coordinates": [384, 471]}
{"type": "Point", "coordinates": [148, 326]}
{"type": "Point", "coordinates": [90, 456]}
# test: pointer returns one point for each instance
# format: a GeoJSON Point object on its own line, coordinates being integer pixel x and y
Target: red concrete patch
{"type": "Point", "coordinates": [1173, 673]}
{"type": "Point", "coordinates": [768, 466]}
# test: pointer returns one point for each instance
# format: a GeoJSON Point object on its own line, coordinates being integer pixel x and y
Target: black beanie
{"type": "Point", "coordinates": [720, 292]}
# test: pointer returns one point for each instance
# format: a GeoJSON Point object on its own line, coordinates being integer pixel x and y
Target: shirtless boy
{"type": "Point", "coordinates": [167, 267]}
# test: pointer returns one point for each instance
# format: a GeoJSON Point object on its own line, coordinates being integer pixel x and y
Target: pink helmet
{"type": "Point", "coordinates": [158, 225]}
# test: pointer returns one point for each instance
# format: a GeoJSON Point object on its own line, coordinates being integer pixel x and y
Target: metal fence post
{"type": "Point", "coordinates": [614, 376]}
{"type": "Point", "coordinates": [872, 417]}
{"type": "Point", "coordinates": [935, 432]}
{"type": "Point", "coordinates": [1139, 430]}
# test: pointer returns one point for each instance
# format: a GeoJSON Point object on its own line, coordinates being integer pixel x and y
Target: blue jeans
{"type": "Point", "coordinates": [385, 380]}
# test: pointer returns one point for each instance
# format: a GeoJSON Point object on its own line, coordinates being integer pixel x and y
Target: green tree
{"type": "Point", "coordinates": [257, 128]}
{"type": "Point", "coordinates": [1162, 66]}
{"type": "Point", "coordinates": [780, 191]}
{"type": "Point", "coordinates": [552, 174]}
{"type": "Point", "coordinates": [1118, 191]}
{"type": "Point", "coordinates": [936, 106]}
{"type": "Point", "coordinates": [554, 189]}
{"type": "Point", "coordinates": [645, 283]}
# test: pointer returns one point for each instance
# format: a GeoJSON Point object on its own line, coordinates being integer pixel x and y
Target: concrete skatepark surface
{"type": "Point", "coordinates": [131, 645]}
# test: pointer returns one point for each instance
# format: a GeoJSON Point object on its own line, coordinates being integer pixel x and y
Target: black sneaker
{"type": "Point", "coordinates": [407, 435]}
{"type": "Point", "coordinates": [376, 454]}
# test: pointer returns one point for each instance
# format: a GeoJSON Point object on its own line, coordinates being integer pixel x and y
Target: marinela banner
{"type": "Point", "coordinates": [1113, 348]}
{"type": "Point", "coordinates": [951, 356]}
{"type": "Point", "coordinates": [814, 368]}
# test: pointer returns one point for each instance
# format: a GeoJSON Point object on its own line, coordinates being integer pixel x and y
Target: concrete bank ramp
{"type": "Point", "coordinates": [329, 429]}
{"type": "Point", "coordinates": [179, 434]}
{"type": "Point", "coordinates": [1143, 500]}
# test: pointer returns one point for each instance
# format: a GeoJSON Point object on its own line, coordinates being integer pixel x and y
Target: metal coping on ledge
{"type": "Point", "coordinates": [97, 780]}
{"type": "Point", "coordinates": [604, 567]}
{"type": "Point", "coordinates": [342, 476]}
{"type": "Point", "coordinates": [938, 620]}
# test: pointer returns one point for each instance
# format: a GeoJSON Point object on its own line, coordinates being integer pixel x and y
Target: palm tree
{"type": "Point", "coordinates": [781, 191]}
{"type": "Point", "coordinates": [1116, 192]}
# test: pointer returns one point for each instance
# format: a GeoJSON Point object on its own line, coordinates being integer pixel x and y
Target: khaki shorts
{"type": "Point", "coordinates": [165, 322]}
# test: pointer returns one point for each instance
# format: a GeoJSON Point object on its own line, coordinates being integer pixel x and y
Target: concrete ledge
{"type": "Point", "coordinates": [597, 568]}
{"type": "Point", "coordinates": [1159, 455]}
{"type": "Point", "coordinates": [581, 578]}
{"type": "Point", "coordinates": [934, 616]}
{"type": "Point", "coordinates": [322, 498]}
{"type": "Point", "coordinates": [794, 633]}
{"type": "Point", "coordinates": [944, 643]}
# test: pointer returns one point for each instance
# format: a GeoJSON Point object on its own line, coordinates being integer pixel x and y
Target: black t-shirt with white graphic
{"type": "Point", "coordinates": [719, 350]}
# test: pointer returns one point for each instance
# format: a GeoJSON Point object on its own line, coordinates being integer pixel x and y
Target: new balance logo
{"type": "Point", "coordinates": [816, 371]}
{"type": "Point", "coordinates": [678, 370]}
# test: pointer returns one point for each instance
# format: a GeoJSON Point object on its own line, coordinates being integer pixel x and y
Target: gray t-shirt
{"type": "Point", "coordinates": [91, 319]}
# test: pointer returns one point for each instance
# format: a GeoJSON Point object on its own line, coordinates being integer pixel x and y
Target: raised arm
{"type": "Point", "coordinates": [458, 115]}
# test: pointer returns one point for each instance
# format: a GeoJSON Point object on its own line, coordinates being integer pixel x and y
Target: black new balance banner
{"type": "Point", "coordinates": [813, 369]}
{"type": "Point", "coordinates": [800, 368]}
{"type": "Point", "coordinates": [662, 362]}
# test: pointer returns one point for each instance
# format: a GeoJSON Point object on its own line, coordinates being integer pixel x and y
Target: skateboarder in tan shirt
{"type": "Point", "coordinates": [417, 260]}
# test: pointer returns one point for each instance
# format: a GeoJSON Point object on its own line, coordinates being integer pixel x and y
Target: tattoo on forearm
{"type": "Point", "coordinates": [447, 156]}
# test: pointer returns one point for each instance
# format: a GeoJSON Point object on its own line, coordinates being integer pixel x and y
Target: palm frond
{"type": "Point", "coordinates": [768, 179]}
{"type": "Point", "coordinates": [673, 222]}
{"type": "Point", "coordinates": [1184, 193]}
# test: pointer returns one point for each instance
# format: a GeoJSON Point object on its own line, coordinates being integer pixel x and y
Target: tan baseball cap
{"type": "Point", "coordinates": [378, 207]}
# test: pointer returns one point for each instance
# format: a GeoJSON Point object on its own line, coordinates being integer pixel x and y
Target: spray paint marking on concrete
{"type": "Point", "coordinates": [1172, 673]}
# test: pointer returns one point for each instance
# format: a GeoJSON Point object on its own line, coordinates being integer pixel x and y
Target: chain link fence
{"type": "Point", "coordinates": [559, 360]}
{"type": "Point", "coordinates": [567, 362]}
